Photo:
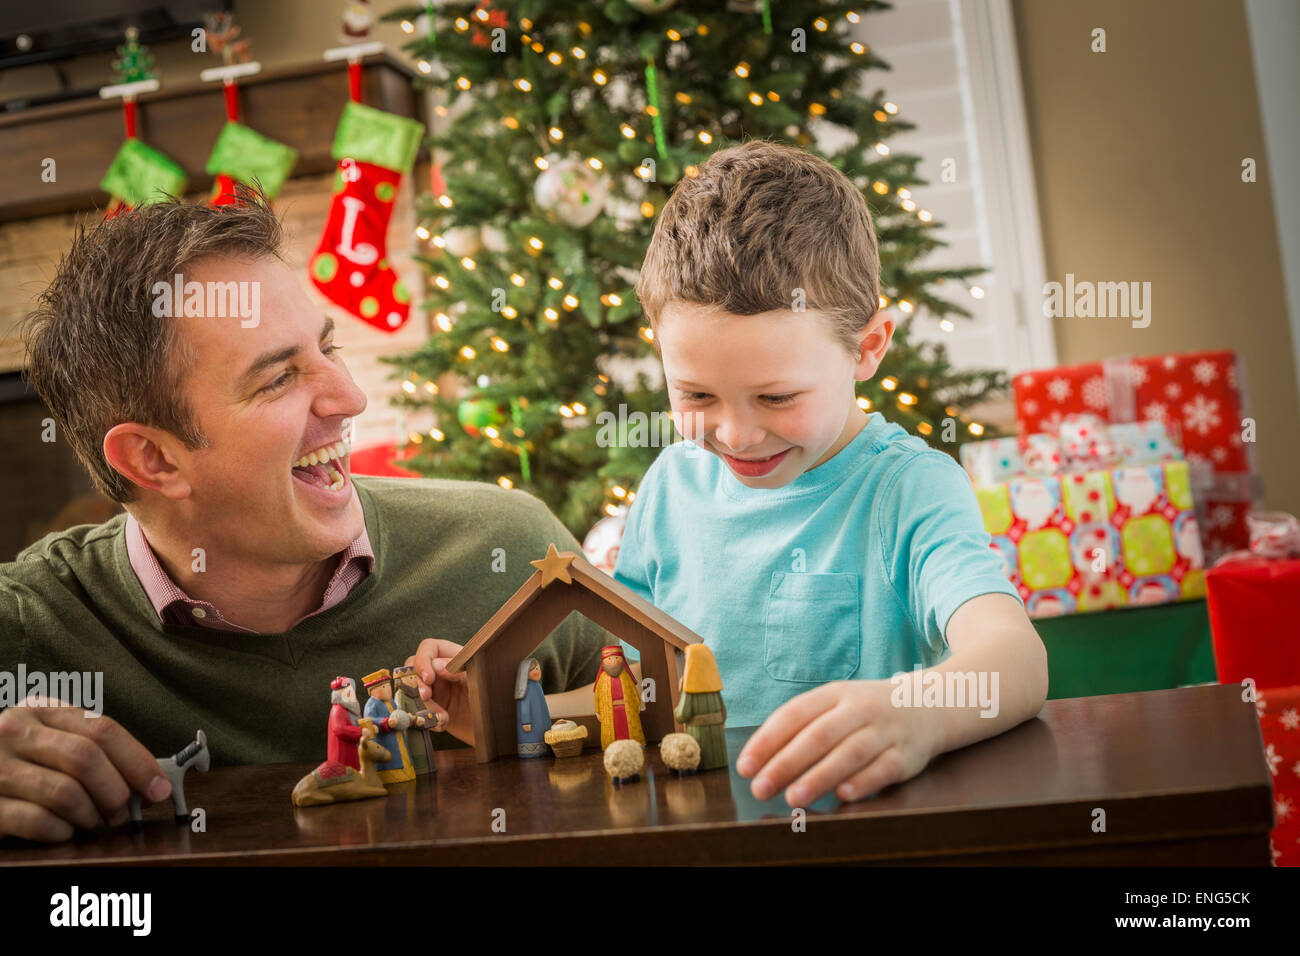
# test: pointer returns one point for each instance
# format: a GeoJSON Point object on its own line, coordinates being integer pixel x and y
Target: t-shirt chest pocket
{"type": "Point", "coordinates": [813, 627]}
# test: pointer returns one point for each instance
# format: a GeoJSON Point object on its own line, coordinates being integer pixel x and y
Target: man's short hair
{"type": "Point", "coordinates": [758, 221]}
{"type": "Point", "coordinates": [96, 353]}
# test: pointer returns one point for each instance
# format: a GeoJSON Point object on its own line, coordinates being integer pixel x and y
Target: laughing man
{"type": "Point", "coordinates": [250, 568]}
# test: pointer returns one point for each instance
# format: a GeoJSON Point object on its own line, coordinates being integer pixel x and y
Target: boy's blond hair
{"type": "Point", "coordinates": [760, 221]}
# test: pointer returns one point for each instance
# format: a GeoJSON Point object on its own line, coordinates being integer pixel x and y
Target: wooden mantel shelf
{"type": "Point", "coordinates": [298, 106]}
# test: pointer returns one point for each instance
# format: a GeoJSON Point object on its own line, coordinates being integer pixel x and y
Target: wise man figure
{"type": "Point", "coordinates": [701, 711]}
{"type": "Point", "coordinates": [344, 734]}
{"type": "Point", "coordinates": [618, 702]}
{"type": "Point", "coordinates": [391, 723]}
{"type": "Point", "coordinates": [406, 696]}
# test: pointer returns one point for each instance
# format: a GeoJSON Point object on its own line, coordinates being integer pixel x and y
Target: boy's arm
{"type": "Point", "coordinates": [960, 596]}
{"type": "Point", "coordinates": [991, 634]}
{"type": "Point", "coordinates": [858, 736]}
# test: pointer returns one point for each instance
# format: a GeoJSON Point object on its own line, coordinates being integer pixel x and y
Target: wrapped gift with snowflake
{"type": "Point", "coordinates": [1201, 394]}
{"type": "Point", "coordinates": [1278, 709]}
{"type": "Point", "coordinates": [1094, 529]}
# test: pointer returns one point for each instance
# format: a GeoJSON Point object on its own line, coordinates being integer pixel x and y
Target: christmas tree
{"type": "Point", "coordinates": [572, 124]}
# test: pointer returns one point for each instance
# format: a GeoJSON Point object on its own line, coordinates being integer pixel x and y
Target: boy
{"type": "Point", "coordinates": [817, 549]}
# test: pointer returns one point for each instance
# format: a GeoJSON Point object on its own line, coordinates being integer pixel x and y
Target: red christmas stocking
{"type": "Point", "coordinates": [242, 155]}
{"type": "Point", "coordinates": [350, 266]}
{"type": "Point", "coordinates": [139, 174]}
{"type": "Point", "coordinates": [223, 190]}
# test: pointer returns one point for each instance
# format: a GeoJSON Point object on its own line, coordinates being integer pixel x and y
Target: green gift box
{"type": "Point", "coordinates": [247, 155]}
{"type": "Point", "coordinates": [139, 174]}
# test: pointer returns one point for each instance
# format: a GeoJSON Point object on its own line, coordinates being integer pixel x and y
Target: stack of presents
{"type": "Point", "coordinates": [1133, 482]}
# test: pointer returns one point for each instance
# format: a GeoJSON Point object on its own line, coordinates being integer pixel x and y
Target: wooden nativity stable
{"type": "Point", "coordinates": [565, 582]}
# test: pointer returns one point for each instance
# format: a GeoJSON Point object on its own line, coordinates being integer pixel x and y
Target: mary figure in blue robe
{"type": "Point", "coordinates": [534, 717]}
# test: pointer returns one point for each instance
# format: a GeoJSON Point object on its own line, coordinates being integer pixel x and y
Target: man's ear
{"type": "Point", "coordinates": [873, 342]}
{"type": "Point", "coordinates": [145, 456]}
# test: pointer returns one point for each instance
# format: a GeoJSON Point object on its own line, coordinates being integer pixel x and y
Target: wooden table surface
{"type": "Point", "coordinates": [1179, 774]}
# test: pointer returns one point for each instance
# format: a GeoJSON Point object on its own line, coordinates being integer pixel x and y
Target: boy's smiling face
{"type": "Point", "coordinates": [770, 394]}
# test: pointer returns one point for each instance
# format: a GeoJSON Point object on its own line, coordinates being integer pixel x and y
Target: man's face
{"type": "Point", "coordinates": [769, 394]}
{"type": "Point", "coordinates": [266, 397]}
{"type": "Point", "coordinates": [613, 666]}
{"type": "Point", "coordinates": [382, 691]}
{"type": "Point", "coordinates": [410, 685]}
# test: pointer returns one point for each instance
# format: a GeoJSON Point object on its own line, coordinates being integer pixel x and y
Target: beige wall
{"type": "Point", "coordinates": [1137, 157]}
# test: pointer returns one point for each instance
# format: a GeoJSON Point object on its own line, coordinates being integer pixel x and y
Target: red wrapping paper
{"type": "Point", "coordinates": [380, 460]}
{"type": "Point", "coordinates": [1201, 395]}
{"type": "Point", "coordinates": [1279, 723]}
{"type": "Point", "coordinates": [1254, 606]}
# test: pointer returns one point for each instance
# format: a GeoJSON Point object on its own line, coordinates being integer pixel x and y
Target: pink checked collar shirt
{"type": "Point", "coordinates": [174, 606]}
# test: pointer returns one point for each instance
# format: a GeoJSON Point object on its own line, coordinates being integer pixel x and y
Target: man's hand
{"type": "Point", "coordinates": [61, 770]}
{"type": "Point", "coordinates": [447, 695]}
{"type": "Point", "coordinates": [845, 736]}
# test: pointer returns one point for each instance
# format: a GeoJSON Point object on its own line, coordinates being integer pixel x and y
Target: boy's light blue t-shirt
{"type": "Point", "coordinates": [850, 571]}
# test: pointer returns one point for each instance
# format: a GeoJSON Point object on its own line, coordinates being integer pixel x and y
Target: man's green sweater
{"type": "Point", "coordinates": [71, 602]}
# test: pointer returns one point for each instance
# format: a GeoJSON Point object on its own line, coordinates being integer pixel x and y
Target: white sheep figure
{"type": "Point", "coordinates": [680, 753]}
{"type": "Point", "coordinates": [624, 760]}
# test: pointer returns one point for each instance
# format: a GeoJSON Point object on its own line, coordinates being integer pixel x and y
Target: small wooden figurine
{"type": "Point", "coordinates": [618, 701]}
{"type": "Point", "coordinates": [358, 17]}
{"type": "Point", "coordinates": [701, 710]}
{"type": "Point", "coordinates": [332, 782]}
{"type": "Point", "coordinates": [195, 755]}
{"type": "Point", "coordinates": [680, 753]}
{"type": "Point", "coordinates": [624, 760]}
{"type": "Point", "coordinates": [390, 723]}
{"type": "Point", "coordinates": [344, 734]}
{"type": "Point", "coordinates": [406, 696]}
{"type": "Point", "coordinates": [532, 715]}
{"type": "Point", "coordinates": [566, 738]}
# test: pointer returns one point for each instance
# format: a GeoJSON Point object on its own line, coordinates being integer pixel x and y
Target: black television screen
{"type": "Point", "coordinates": [58, 29]}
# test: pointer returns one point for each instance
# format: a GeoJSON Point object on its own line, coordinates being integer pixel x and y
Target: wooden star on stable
{"type": "Point", "coordinates": [555, 566]}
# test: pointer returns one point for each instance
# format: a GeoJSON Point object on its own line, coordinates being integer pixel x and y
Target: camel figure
{"type": "Point", "coordinates": [335, 783]}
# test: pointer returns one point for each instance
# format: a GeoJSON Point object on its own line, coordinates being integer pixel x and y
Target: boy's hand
{"type": "Point", "coordinates": [845, 736]}
{"type": "Point", "coordinates": [447, 695]}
